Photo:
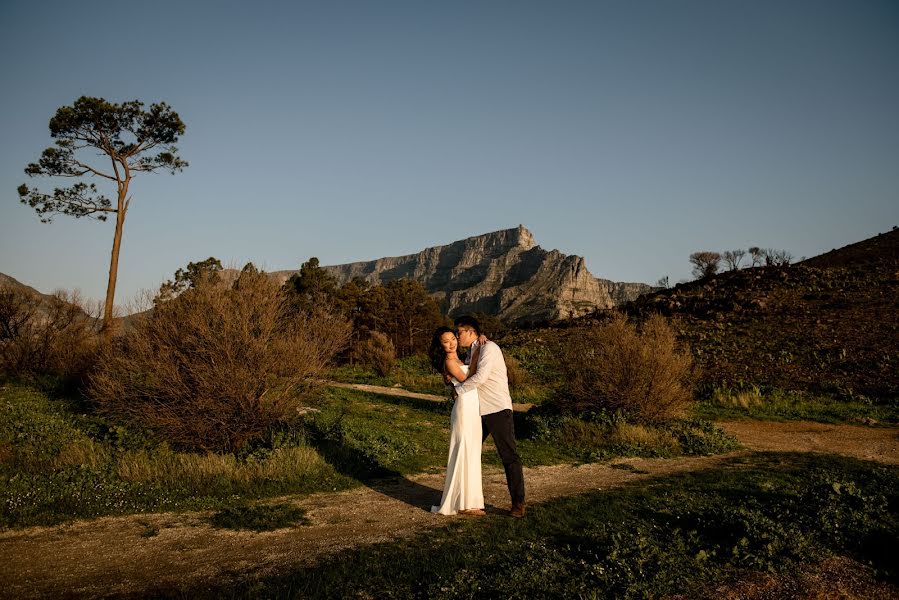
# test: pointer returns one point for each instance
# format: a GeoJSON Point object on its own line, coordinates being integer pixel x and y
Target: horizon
{"type": "Point", "coordinates": [630, 135]}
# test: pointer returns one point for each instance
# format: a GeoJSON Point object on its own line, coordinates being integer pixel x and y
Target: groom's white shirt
{"type": "Point", "coordinates": [490, 379]}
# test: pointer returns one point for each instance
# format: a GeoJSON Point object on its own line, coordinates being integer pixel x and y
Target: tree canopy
{"type": "Point", "coordinates": [127, 139]}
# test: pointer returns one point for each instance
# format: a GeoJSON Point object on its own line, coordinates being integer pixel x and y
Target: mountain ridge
{"type": "Point", "coordinates": [503, 273]}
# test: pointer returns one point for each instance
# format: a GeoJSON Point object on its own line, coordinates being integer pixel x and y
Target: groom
{"type": "Point", "coordinates": [492, 384]}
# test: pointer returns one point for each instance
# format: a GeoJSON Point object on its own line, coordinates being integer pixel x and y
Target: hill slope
{"type": "Point", "coordinates": [827, 325]}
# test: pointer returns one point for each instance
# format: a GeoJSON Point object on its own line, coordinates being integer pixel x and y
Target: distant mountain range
{"type": "Point", "coordinates": [506, 274]}
{"type": "Point", "coordinates": [503, 273]}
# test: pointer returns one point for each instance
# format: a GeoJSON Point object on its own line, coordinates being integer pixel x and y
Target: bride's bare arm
{"type": "Point", "coordinates": [454, 368]}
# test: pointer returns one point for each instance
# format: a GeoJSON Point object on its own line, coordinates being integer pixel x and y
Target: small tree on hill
{"type": "Point", "coordinates": [777, 258]}
{"type": "Point", "coordinates": [733, 258]}
{"type": "Point", "coordinates": [132, 139]}
{"type": "Point", "coordinates": [757, 255]}
{"type": "Point", "coordinates": [705, 263]}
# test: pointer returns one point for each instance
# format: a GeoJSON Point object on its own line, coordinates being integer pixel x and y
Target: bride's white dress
{"type": "Point", "coordinates": [463, 488]}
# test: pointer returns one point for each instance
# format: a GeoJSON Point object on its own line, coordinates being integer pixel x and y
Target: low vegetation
{"type": "Point", "coordinates": [687, 534]}
{"type": "Point", "coordinates": [259, 517]}
{"type": "Point", "coordinates": [614, 367]}
{"type": "Point", "coordinates": [216, 367]}
{"type": "Point", "coordinates": [42, 336]}
{"type": "Point", "coordinates": [377, 353]}
{"type": "Point", "coordinates": [756, 402]}
{"type": "Point", "coordinates": [58, 462]}
{"type": "Point", "coordinates": [826, 331]}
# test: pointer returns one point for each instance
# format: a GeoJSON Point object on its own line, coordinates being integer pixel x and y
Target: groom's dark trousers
{"type": "Point", "coordinates": [501, 426]}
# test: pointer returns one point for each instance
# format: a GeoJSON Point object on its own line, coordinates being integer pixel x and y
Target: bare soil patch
{"type": "Point", "coordinates": [880, 444]}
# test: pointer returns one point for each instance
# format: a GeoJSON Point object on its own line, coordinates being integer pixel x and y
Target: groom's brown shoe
{"type": "Point", "coordinates": [518, 510]}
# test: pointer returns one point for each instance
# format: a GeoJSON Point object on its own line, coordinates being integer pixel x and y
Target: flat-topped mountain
{"type": "Point", "coordinates": [503, 273]}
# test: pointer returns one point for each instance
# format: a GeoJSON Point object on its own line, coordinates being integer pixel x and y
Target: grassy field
{"type": "Point", "coordinates": [769, 513]}
{"type": "Point", "coordinates": [59, 462]}
{"type": "Point", "coordinates": [776, 404]}
{"type": "Point", "coordinates": [531, 379]}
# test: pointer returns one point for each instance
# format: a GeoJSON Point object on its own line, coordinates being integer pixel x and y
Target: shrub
{"type": "Point", "coordinates": [378, 352]}
{"type": "Point", "coordinates": [615, 367]}
{"type": "Point", "coordinates": [517, 376]}
{"type": "Point", "coordinates": [216, 367]}
{"type": "Point", "coordinates": [46, 335]}
{"type": "Point", "coordinates": [705, 264]}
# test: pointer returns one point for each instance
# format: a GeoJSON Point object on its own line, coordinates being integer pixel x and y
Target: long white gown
{"type": "Point", "coordinates": [463, 488]}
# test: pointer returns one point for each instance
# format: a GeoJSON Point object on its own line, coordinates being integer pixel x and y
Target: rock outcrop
{"type": "Point", "coordinates": [503, 273]}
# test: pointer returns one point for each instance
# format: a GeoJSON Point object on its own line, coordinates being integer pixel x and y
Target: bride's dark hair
{"type": "Point", "coordinates": [436, 353]}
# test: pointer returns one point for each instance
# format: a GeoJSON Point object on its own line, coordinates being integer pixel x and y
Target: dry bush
{"type": "Point", "coordinates": [217, 366]}
{"type": "Point", "coordinates": [615, 367]}
{"type": "Point", "coordinates": [518, 377]}
{"type": "Point", "coordinates": [378, 353]}
{"type": "Point", "coordinates": [47, 335]}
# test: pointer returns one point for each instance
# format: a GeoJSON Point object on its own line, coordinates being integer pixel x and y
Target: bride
{"type": "Point", "coordinates": [463, 490]}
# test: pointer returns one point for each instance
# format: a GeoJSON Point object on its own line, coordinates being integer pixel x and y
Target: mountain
{"type": "Point", "coordinates": [503, 273]}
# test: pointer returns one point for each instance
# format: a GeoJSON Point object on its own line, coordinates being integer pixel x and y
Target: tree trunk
{"type": "Point", "coordinates": [114, 261]}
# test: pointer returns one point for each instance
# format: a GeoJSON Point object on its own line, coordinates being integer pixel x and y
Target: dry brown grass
{"type": "Point", "coordinates": [81, 452]}
{"type": "Point", "coordinates": [217, 366]}
{"type": "Point", "coordinates": [743, 399]}
{"type": "Point", "coordinates": [517, 376]}
{"type": "Point", "coordinates": [198, 471]}
{"type": "Point", "coordinates": [39, 335]}
{"type": "Point", "coordinates": [660, 440]}
{"type": "Point", "coordinates": [616, 367]}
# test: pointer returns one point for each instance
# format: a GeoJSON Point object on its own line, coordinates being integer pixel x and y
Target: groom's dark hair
{"type": "Point", "coordinates": [468, 321]}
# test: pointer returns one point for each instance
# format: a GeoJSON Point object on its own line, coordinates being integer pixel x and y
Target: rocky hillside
{"type": "Point", "coordinates": [7, 282]}
{"type": "Point", "coordinates": [827, 325]}
{"type": "Point", "coordinates": [504, 273]}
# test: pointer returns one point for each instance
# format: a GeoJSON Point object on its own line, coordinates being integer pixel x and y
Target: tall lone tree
{"type": "Point", "coordinates": [128, 139]}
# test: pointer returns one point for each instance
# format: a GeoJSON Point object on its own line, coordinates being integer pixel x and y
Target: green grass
{"type": "Point", "coordinates": [260, 517]}
{"type": "Point", "coordinates": [379, 434]}
{"type": "Point", "coordinates": [374, 435]}
{"type": "Point", "coordinates": [684, 534]}
{"type": "Point", "coordinates": [59, 462]}
{"type": "Point", "coordinates": [776, 404]}
{"type": "Point", "coordinates": [415, 374]}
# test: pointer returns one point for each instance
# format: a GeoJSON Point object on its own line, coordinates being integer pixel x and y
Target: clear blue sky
{"type": "Point", "coordinates": [631, 133]}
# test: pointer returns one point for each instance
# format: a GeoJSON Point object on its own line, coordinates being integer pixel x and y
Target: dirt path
{"type": "Point", "coordinates": [880, 444]}
{"type": "Point", "coordinates": [136, 554]}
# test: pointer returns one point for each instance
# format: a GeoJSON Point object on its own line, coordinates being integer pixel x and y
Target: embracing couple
{"type": "Point", "coordinates": [482, 407]}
